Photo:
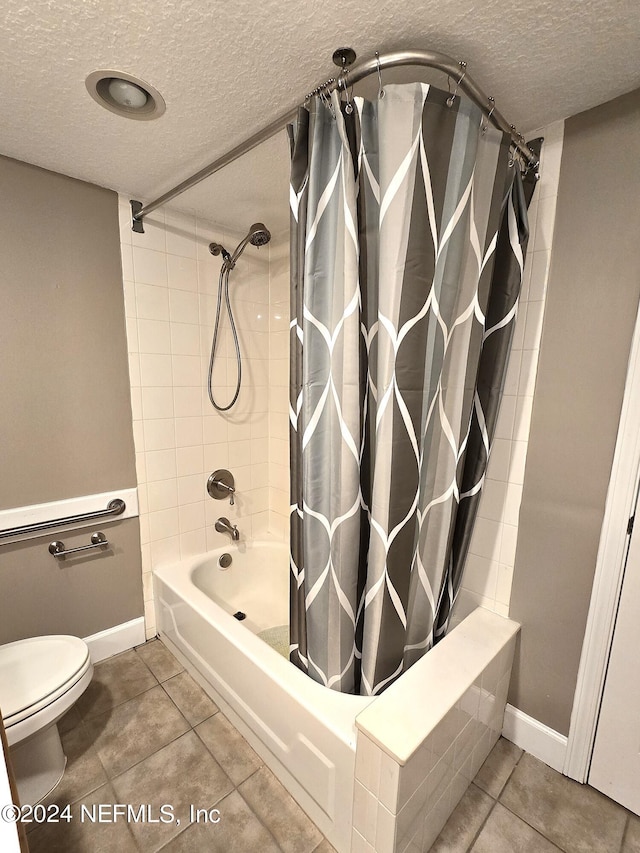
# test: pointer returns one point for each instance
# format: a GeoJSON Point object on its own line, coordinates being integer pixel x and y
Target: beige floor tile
{"type": "Point", "coordinates": [465, 822]}
{"type": "Point", "coordinates": [632, 836]}
{"type": "Point", "coordinates": [136, 729]}
{"type": "Point", "coordinates": [229, 748]}
{"type": "Point", "coordinates": [181, 774]}
{"type": "Point", "coordinates": [575, 817]}
{"type": "Point", "coordinates": [159, 659]}
{"type": "Point", "coordinates": [115, 681]}
{"type": "Point", "coordinates": [495, 772]}
{"type": "Point", "coordinates": [239, 830]}
{"type": "Point", "coordinates": [190, 698]}
{"type": "Point", "coordinates": [81, 835]}
{"type": "Point", "coordinates": [505, 833]}
{"type": "Point", "coordinates": [280, 813]}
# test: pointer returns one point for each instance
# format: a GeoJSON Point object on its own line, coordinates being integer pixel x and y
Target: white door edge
{"type": "Point", "coordinates": [609, 572]}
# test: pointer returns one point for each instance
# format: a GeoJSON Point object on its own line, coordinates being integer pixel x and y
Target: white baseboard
{"type": "Point", "coordinates": [114, 640]}
{"type": "Point", "coordinates": [534, 737]}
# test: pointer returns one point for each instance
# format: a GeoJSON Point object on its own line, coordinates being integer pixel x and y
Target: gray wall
{"type": "Point", "coordinates": [592, 301]}
{"type": "Point", "coordinates": [65, 423]}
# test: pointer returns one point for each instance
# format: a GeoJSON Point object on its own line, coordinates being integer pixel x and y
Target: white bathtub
{"type": "Point", "coordinates": [309, 730]}
{"type": "Point", "coordinates": [418, 745]}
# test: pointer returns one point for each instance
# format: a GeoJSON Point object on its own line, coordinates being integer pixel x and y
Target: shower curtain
{"type": "Point", "coordinates": [409, 232]}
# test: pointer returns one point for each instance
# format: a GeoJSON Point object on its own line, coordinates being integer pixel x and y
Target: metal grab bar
{"type": "Point", "coordinates": [98, 540]}
{"type": "Point", "coordinates": [114, 507]}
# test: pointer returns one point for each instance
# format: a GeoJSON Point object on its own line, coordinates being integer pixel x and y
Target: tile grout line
{"type": "Point", "coordinates": [519, 817]}
{"type": "Point", "coordinates": [235, 788]}
{"type": "Point", "coordinates": [82, 726]}
{"type": "Point", "coordinates": [482, 826]}
{"type": "Point", "coordinates": [496, 800]}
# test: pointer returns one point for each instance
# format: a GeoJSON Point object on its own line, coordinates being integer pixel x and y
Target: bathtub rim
{"type": "Point", "coordinates": [337, 711]}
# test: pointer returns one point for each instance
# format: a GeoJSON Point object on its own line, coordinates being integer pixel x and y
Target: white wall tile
{"type": "Point", "coordinates": [193, 543]}
{"type": "Point", "coordinates": [506, 417]}
{"type": "Point", "coordinates": [149, 266]}
{"type": "Point", "coordinates": [189, 460]}
{"type": "Point", "coordinates": [494, 495]}
{"type": "Point", "coordinates": [518, 461]}
{"type": "Point", "coordinates": [152, 302]}
{"type": "Point", "coordinates": [163, 524]}
{"type": "Point", "coordinates": [216, 456]}
{"type": "Point", "coordinates": [540, 262]}
{"type": "Point", "coordinates": [187, 402]}
{"type": "Point", "coordinates": [134, 370]}
{"type": "Point", "coordinates": [513, 499]}
{"type": "Point", "coordinates": [533, 329]}
{"type": "Point", "coordinates": [154, 233]}
{"type": "Point", "coordinates": [162, 494]}
{"type": "Point", "coordinates": [132, 334]}
{"type": "Point", "coordinates": [159, 434]}
{"type": "Point", "coordinates": [188, 432]}
{"type": "Point", "coordinates": [154, 336]}
{"type": "Point", "coordinates": [498, 467]}
{"type": "Point", "coordinates": [157, 402]}
{"type": "Point", "coordinates": [522, 422]}
{"type": "Point", "coordinates": [508, 545]}
{"type": "Point", "coordinates": [191, 489]}
{"type": "Point", "coordinates": [155, 369]}
{"type": "Point", "coordinates": [481, 575]}
{"type": "Point", "coordinates": [185, 339]}
{"type": "Point", "coordinates": [170, 289]}
{"type": "Point", "coordinates": [185, 371]}
{"type": "Point", "coordinates": [365, 812]}
{"type": "Point", "coordinates": [368, 763]}
{"type": "Point", "coordinates": [129, 289]}
{"type": "Point", "coordinates": [191, 517]}
{"type": "Point", "coordinates": [160, 465]}
{"type": "Point", "coordinates": [165, 550]}
{"type": "Point", "coordinates": [180, 235]}
{"type": "Point", "coordinates": [182, 273]}
{"type": "Point", "coordinates": [184, 306]}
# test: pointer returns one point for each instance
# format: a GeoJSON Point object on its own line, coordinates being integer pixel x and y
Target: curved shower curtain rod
{"type": "Point", "coordinates": [426, 58]}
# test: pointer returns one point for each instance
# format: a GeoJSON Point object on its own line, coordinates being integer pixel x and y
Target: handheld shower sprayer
{"type": "Point", "coordinates": [259, 235]}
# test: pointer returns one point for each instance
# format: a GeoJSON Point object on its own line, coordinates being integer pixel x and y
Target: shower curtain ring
{"type": "Point", "coordinates": [485, 122]}
{"type": "Point", "coordinates": [348, 107]}
{"type": "Point", "coordinates": [380, 89]}
{"type": "Point", "coordinates": [451, 98]}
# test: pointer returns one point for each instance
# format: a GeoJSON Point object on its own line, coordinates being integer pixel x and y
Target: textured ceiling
{"type": "Point", "coordinates": [228, 69]}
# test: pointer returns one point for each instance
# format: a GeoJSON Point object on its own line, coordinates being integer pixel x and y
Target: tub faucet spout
{"type": "Point", "coordinates": [223, 525]}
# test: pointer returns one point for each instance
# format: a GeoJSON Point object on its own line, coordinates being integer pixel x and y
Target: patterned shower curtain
{"type": "Point", "coordinates": [409, 231]}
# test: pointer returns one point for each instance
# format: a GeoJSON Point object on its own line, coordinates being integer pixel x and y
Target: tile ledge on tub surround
{"type": "Point", "coordinates": [432, 686]}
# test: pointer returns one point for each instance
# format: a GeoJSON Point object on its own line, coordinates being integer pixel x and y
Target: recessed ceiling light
{"type": "Point", "coordinates": [125, 95]}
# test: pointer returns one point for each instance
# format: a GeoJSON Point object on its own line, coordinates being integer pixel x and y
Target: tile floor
{"type": "Point", "coordinates": [516, 804]}
{"type": "Point", "coordinates": [145, 733]}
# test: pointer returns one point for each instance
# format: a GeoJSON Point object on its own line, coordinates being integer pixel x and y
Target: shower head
{"type": "Point", "coordinates": [259, 234]}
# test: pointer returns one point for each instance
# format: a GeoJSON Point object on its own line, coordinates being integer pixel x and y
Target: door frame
{"type": "Point", "coordinates": [607, 583]}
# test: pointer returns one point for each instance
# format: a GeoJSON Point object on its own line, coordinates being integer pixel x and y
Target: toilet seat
{"type": "Point", "coordinates": [36, 675]}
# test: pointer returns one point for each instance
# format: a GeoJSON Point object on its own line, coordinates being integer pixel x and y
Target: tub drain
{"type": "Point", "coordinates": [239, 615]}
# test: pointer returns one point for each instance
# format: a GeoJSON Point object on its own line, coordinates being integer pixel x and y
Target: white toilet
{"type": "Point", "coordinates": [40, 679]}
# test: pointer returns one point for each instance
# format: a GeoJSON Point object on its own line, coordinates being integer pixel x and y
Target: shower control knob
{"type": "Point", "coordinates": [221, 485]}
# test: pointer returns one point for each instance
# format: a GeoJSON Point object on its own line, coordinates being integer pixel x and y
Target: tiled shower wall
{"type": "Point", "coordinates": [170, 288]}
{"type": "Point", "coordinates": [489, 569]}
